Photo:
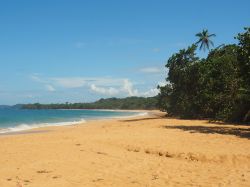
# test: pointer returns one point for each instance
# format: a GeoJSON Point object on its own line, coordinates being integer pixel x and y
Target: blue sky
{"type": "Point", "coordinates": [79, 51]}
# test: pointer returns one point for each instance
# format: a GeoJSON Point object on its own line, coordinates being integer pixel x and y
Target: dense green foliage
{"type": "Point", "coordinates": [130, 103]}
{"type": "Point", "coordinates": [217, 87]}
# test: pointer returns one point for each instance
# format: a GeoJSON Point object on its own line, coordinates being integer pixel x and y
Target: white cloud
{"type": "Point", "coordinates": [50, 88]}
{"type": "Point", "coordinates": [124, 88]}
{"type": "Point", "coordinates": [101, 85]}
{"type": "Point", "coordinates": [150, 93]}
{"type": "Point", "coordinates": [151, 70]}
{"type": "Point", "coordinates": [104, 91]}
{"type": "Point", "coordinates": [36, 78]}
{"type": "Point", "coordinates": [162, 83]}
{"type": "Point", "coordinates": [128, 88]}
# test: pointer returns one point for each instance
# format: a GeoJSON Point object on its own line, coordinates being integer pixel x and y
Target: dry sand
{"type": "Point", "coordinates": [144, 151]}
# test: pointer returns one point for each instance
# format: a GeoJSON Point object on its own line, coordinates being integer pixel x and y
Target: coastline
{"type": "Point", "coordinates": [139, 151]}
{"type": "Point", "coordinates": [29, 127]}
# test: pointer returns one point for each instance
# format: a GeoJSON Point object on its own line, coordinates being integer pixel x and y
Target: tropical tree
{"type": "Point", "coordinates": [216, 87]}
{"type": "Point", "coordinates": [204, 39]}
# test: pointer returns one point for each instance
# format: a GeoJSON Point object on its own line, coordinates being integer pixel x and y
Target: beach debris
{"type": "Point", "coordinates": [101, 153]}
{"type": "Point", "coordinates": [160, 153]}
{"type": "Point", "coordinates": [134, 149]}
{"type": "Point", "coordinates": [56, 176]}
{"type": "Point", "coordinates": [96, 180]}
{"type": "Point", "coordinates": [155, 177]}
{"type": "Point", "coordinates": [43, 171]}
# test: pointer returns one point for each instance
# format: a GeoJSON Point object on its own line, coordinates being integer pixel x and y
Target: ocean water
{"type": "Point", "coordinates": [12, 120]}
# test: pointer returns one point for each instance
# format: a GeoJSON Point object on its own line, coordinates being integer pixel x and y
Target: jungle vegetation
{"type": "Point", "coordinates": [216, 87]}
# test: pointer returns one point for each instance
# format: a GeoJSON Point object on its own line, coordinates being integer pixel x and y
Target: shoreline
{"type": "Point", "coordinates": [22, 128]}
{"type": "Point", "coordinates": [141, 151]}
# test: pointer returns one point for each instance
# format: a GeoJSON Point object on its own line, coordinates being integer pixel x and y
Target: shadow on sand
{"type": "Point", "coordinates": [240, 132]}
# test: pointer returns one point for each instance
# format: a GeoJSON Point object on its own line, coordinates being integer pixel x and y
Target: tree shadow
{"type": "Point", "coordinates": [239, 132]}
{"type": "Point", "coordinates": [227, 123]}
{"type": "Point", "coordinates": [208, 120]}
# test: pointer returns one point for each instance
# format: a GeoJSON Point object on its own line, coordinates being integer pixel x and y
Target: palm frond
{"type": "Point", "coordinates": [200, 40]}
{"type": "Point", "coordinates": [199, 35]}
{"type": "Point", "coordinates": [207, 45]}
{"type": "Point", "coordinates": [205, 32]}
{"type": "Point", "coordinates": [201, 46]}
{"type": "Point", "coordinates": [212, 43]}
{"type": "Point", "coordinates": [212, 35]}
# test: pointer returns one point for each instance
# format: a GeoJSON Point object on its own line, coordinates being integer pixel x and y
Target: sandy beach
{"type": "Point", "coordinates": [141, 151]}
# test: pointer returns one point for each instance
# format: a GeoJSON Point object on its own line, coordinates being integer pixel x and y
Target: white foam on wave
{"type": "Point", "coordinates": [23, 127]}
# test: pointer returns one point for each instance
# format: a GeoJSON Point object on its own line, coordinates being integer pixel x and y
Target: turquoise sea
{"type": "Point", "coordinates": [13, 120]}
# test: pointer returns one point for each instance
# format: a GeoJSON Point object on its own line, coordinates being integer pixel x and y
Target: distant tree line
{"type": "Point", "coordinates": [129, 103]}
{"type": "Point", "coordinates": [216, 87]}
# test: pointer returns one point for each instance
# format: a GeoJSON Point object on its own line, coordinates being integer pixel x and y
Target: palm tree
{"type": "Point", "coordinates": [204, 39]}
